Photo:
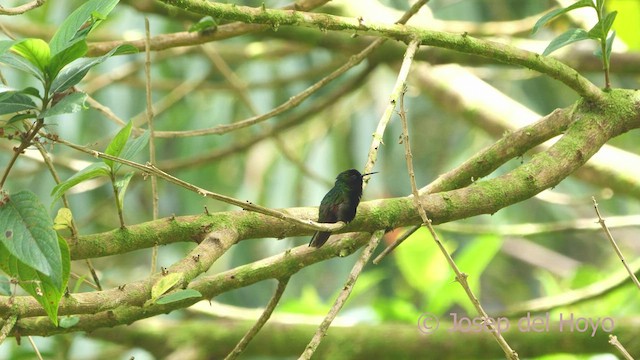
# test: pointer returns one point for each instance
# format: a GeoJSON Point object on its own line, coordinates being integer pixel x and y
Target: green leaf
{"type": "Point", "coordinates": [73, 52]}
{"type": "Point", "coordinates": [117, 144]}
{"type": "Point", "coordinates": [601, 29]}
{"type": "Point", "coordinates": [77, 21]}
{"type": "Point", "coordinates": [71, 103]}
{"type": "Point", "coordinates": [20, 117]}
{"type": "Point", "coordinates": [206, 23]}
{"type": "Point", "coordinates": [72, 74]}
{"type": "Point", "coordinates": [35, 50]}
{"type": "Point", "coordinates": [566, 38]}
{"type": "Point", "coordinates": [555, 13]}
{"type": "Point", "coordinates": [28, 235]}
{"type": "Point", "coordinates": [14, 101]}
{"type": "Point", "coordinates": [92, 171]}
{"type": "Point", "coordinates": [179, 296]}
{"type": "Point", "coordinates": [122, 185]}
{"type": "Point", "coordinates": [63, 219]}
{"type": "Point", "coordinates": [609, 44]}
{"type": "Point", "coordinates": [69, 321]}
{"type": "Point", "coordinates": [22, 64]}
{"type": "Point", "coordinates": [133, 147]}
{"type": "Point", "coordinates": [164, 284]}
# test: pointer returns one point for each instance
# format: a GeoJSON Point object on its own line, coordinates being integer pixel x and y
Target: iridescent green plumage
{"type": "Point", "coordinates": [340, 203]}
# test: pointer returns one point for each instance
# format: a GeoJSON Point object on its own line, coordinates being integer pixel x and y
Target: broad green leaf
{"type": "Point", "coordinates": [14, 101]}
{"type": "Point", "coordinates": [71, 103]}
{"type": "Point", "coordinates": [601, 29]}
{"type": "Point", "coordinates": [568, 37]}
{"type": "Point", "coordinates": [20, 117]}
{"type": "Point", "coordinates": [122, 185]}
{"type": "Point", "coordinates": [63, 58]}
{"type": "Point", "coordinates": [92, 171]}
{"type": "Point", "coordinates": [164, 284]}
{"type": "Point", "coordinates": [555, 13]}
{"type": "Point", "coordinates": [472, 259]}
{"type": "Point", "coordinates": [179, 296]}
{"type": "Point", "coordinates": [117, 144]}
{"type": "Point", "coordinates": [133, 147]}
{"type": "Point", "coordinates": [75, 22]}
{"type": "Point", "coordinates": [35, 50]}
{"type": "Point", "coordinates": [63, 219]}
{"type": "Point", "coordinates": [28, 235]}
{"type": "Point", "coordinates": [206, 23]}
{"type": "Point", "coordinates": [420, 262]}
{"type": "Point", "coordinates": [22, 64]}
{"type": "Point", "coordinates": [76, 71]}
{"type": "Point", "coordinates": [69, 321]}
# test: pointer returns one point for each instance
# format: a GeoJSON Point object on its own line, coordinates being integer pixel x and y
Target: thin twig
{"type": "Point", "coordinates": [344, 295]}
{"type": "Point", "coordinates": [282, 285]}
{"type": "Point", "coordinates": [22, 8]}
{"type": "Point", "coordinates": [371, 159]}
{"type": "Point", "coordinates": [573, 297]}
{"type": "Point", "coordinates": [613, 340]}
{"type": "Point", "coordinates": [245, 205]}
{"type": "Point", "coordinates": [9, 323]}
{"type": "Point", "coordinates": [35, 348]}
{"type": "Point", "coordinates": [613, 243]}
{"type": "Point", "coordinates": [460, 277]}
{"type": "Point", "coordinates": [152, 142]}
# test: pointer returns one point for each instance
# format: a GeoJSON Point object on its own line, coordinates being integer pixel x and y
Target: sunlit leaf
{"type": "Point", "coordinates": [63, 219]}
{"type": "Point", "coordinates": [34, 50]}
{"type": "Point", "coordinates": [164, 284]}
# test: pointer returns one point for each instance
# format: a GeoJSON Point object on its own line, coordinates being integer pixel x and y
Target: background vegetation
{"type": "Point", "coordinates": [544, 254]}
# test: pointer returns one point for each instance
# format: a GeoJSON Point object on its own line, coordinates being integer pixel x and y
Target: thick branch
{"type": "Point", "coordinates": [458, 42]}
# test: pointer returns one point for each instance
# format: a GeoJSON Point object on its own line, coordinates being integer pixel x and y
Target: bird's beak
{"type": "Point", "coordinates": [371, 173]}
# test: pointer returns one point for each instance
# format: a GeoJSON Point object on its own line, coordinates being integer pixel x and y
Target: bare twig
{"type": "Point", "coordinates": [613, 243]}
{"type": "Point", "coordinates": [9, 323]}
{"type": "Point", "coordinates": [613, 340]}
{"type": "Point", "coordinates": [152, 142]}
{"type": "Point", "coordinates": [282, 285]}
{"type": "Point", "coordinates": [245, 205]}
{"type": "Point", "coordinates": [35, 348]}
{"type": "Point", "coordinates": [460, 276]}
{"type": "Point", "coordinates": [575, 296]}
{"type": "Point", "coordinates": [371, 159]}
{"type": "Point", "coordinates": [343, 296]}
{"type": "Point", "coordinates": [22, 8]}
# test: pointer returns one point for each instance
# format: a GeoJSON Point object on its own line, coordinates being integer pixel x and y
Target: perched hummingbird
{"type": "Point", "coordinates": [340, 203]}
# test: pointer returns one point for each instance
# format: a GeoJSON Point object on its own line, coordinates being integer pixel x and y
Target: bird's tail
{"type": "Point", "coordinates": [319, 238]}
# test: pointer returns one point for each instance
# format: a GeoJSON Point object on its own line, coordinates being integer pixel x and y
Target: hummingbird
{"type": "Point", "coordinates": [340, 203]}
